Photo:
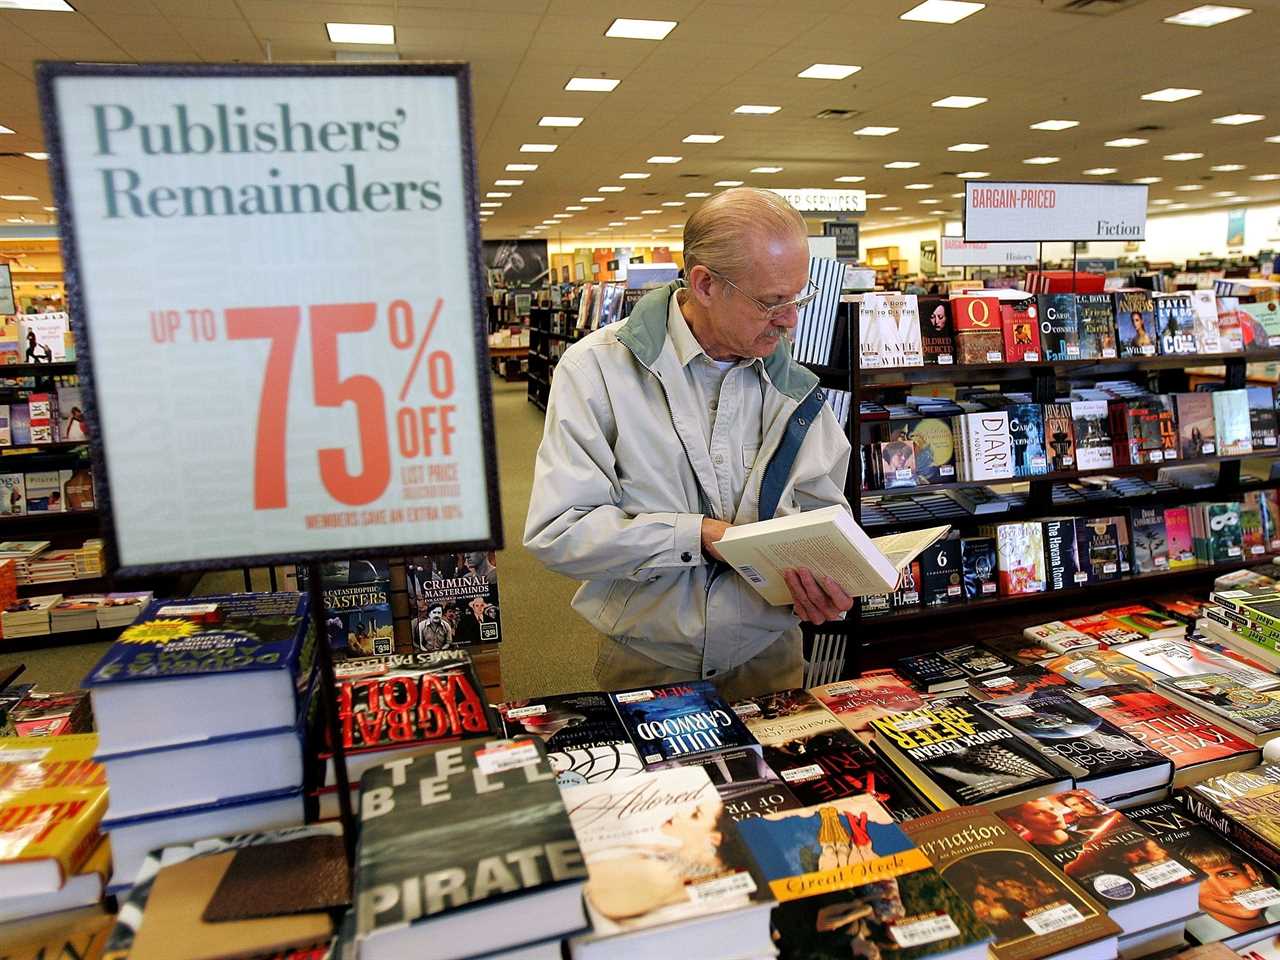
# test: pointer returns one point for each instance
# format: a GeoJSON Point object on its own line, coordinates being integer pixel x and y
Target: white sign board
{"type": "Point", "coordinates": [816, 200]}
{"type": "Point", "coordinates": [278, 298]}
{"type": "Point", "coordinates": [1023, 210]}
{"type": "Point", "coordinates": [956, 253]}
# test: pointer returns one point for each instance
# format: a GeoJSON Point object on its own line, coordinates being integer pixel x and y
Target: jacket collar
{"type": "Point", "coordinates": [645, 335]}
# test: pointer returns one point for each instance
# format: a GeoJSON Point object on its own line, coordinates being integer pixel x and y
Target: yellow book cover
{"type": "Point", "coordinates": [46, 835]}
{"type": "Point", "coordinates": [81, 934]}
{"type": "Point", "coordinates": [42, 763]}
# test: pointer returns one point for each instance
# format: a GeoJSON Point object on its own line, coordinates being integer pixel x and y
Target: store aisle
{"type": "Point", "coordinates": [546, 648]}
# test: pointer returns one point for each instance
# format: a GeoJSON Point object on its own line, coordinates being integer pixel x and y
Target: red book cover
{"type": "Point", "coordinates": [1020, 322]}
{"type": "Point", "coordinates": [877, 693]}
{"type": "Point", "coordinates": [979, 335]}
{"type": "Point", "coordinates": [1105, 629]}
{"type": "Point", "coordinates": [1172, 730]}
{"type": "Point", "coordinates": [1118, 420]}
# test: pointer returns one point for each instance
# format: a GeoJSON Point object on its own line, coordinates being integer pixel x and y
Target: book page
{"type": "Point", "coordinates": [901, 548]}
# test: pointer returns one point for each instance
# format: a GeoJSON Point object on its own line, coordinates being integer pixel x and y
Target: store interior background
{"type": "Point", "coordinates": [602, 182]}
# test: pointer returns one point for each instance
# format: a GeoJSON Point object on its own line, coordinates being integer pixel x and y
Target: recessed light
{"type": "Point", "coordinates": [942, 11]}
{"type": "Point", "coordinates": [973, 174]}
{"type": "Point", "coordinates": [662, 159]}
{"type": "Point", "coordinates": [1259, 177]}
{"type": "Point", "coordinates": [875, 131]}
{"type": "Point", "coordinates": [675, 226]}
{"type": "Point", "coordinates": [1239, 199]}
{"type": "Point", "coordinates": [576, 208]}
{"type": "Point", "coordinates": [633, 176]}
{"type": "Point", "coordinates": [494, 204]}
{"type": "Point", "coordinates": [50, 209]}
{"type": "Point", "coordinates": [371, 33]}
{"type": "Point", "coordinates": [538, 147]}
{"type": "Point", "coordinates": [508, 183]}
{"type": "Point", "coordinates": [967, 147]}
{"type": "Point", "coordinates": [562, 216]}
{"type": "Point", "coordinates": [1188, 187]}
{"type": "Point", "coordinates": [553, 121]}
{"type": "Point", "coordinates": [1207, 15]}
{"type": "Point", "coordinates": [766, 169]}
{"type": "Point", "coordinates": [590, 84]}
{"type": "Point", "coordinates": [1224, 193]}
{"type": "Point", "coordinates": [649, 212]}
{"type": "Point", "coordinates": [673, 203]}
{"type": "Point", "coordinates": [521, 167]}
{"type": "Point", "coordinates": [1161, 202]}
{"type": "Point", "coordinates": [850, 179]}
{"type": "Point", "coordinates": [1099, 171]}
{"type": "Point", "coordinates": [610, 189]}
{"type": "Point", "coordinates": [758, 108]}
{"type": "Point", "coordinates": [1182, 157]}
{"type": "Point", "coordinates": [1227, 167]}
{"type": "Point", "coordinates": [1275, 139]}
{"type": "Point", "coordinates": [35, 155]}
{"type": "Point", "coordinates": [697, 194]}
{"type": "Point", "coordinates": [591, 199]}
{"type": "Point", "coordinates": [901, 164]}
{"type": "Point", "coordinates": [1177, 206]}
{"type": "Point", "coordinates": [957, 196]}
{"type": "Point", "coordinates": [548, 223]}
{"type": "Point", "coordinates": [1238, 119]}
{"type": "Point", "coordinates": [496, 195]}
{"type": "Point", "coordinates": [828, 71]}
{"type": "Point", "coordinates": [1040, 161]}
{"type": "Point", "coordinates": [1126, 142]}
{"type": "Point", "coordinates": [876, 196]}
{"type": "Point", "coordinates": [959, 103]}
{"type": "Point", "coordinates": [16, 196]}
{"type": "Point", "coordinates": [1147, 180]}
{"type": "Point", "coordinates": [703, 138]}
{"type": "Point", "coordinates": [919, 186]}
{"type": "Point", "coordinates": [617, 223]}
{"type": "Point", "coordinates": [633, 218]}
{"type": "Point", "coordinates": [628, 29]}
{"type": "Point", "coordinates": [4, 129]}
{"type": "Point", "coordinates": [891, 209]}
{"type": "Point", "coordinates": [930, 200]}
{"type": "Point", "coordinates": [727, 183]}
{"type": "Point", "coordinates": [1172, 94]}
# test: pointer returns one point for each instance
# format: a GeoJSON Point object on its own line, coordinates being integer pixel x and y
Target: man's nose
{"type": "Point", "coordinates": [788, 318]}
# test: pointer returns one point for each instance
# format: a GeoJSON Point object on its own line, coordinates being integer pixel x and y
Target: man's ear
{"type": "Point", "coordinates": [700, 281]}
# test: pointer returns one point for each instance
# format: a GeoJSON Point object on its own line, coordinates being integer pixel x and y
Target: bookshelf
{"type": "Point", "coordinates": [551, 330]}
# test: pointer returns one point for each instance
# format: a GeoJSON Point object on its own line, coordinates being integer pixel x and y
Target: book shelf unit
{"type": "Point", "coordinates": [551, 330]}
{"type": "Point", "coordinates": [878, 639]}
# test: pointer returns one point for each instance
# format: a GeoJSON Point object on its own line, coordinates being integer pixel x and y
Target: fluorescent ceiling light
{"type": "Point", "coordinates": [617, 223]}
{"type": "Point", "coordinates": [1275, 139]}
{"type": "Point", "coordinates": [16, 196]}
{"type": "Point", "coordinates": [576, 208]}
{"type": "Point", "coordinates": [1240, 199]}
{"type": "Point", "coordinates": [1148, 180]}
{"type": "Point", "coordinates": [703, 138]}
{"type": "Point", "coordinates": [610, 189]}
{"type": "Point", "coordinates": [1227, 167]}
{"type": "Point", "coordinates": [633, 176]}
{"type": "Point", "coordinates": [47, 6]}
{"type": "Point", "coordinates": [957, 196]}
{"type": "Point", "coordinates": [1207, 15]}
{"type": "Point", "coordinates": [959, 103]}
{"type": "Point", "coordinates": [942, 11]}
{"type": "Point", "coordinates": [590, 84]}
{"type": "Point", "coordinates": [1182, 157]}
{"type": "Point", "coordinates": [1040, 161]}
{"type": "Point", "coordinates": [548, 223]}
{"type": "Point", "coordinates": [766, 169]}
{"type": "Point", "coordinates": [697, 194]}
{"type": "Point", "coordinates": [1224, 193]}
{"type": "Point", "coordinates": [1055, 124]}
{"type": "Point", "coordinates": [891, 209]}
{"type": "Point", "coordinates": [929, 200]}
{"type": "Point", "coordinates": [967, 147]}
{"type": "Point", "coordinates": [1172, 94]}
{"type": "Point", "coordinates": [756, 108]}
{"type": "Point", "coordinates": [850, 179]}
{"type": "Point", "coordinates": [1188, 187]}
{"type": "Point", "coordinates": [901, 164]}
{"type": "Point", "coordinates": [4, 129]}
{"type": "Point", "coordinates": [50, 209]}
{"type": "Point", "coordinates": [828, 71]}
{"type": "Point", "coordinates": [538, 147]}
{"type": "Point", "coordinates": [508, 183]}
{"type": "Point", "coordinates": [562, 216]}
{"type": "Point", "coordinates": [875, 131]}
{"type": "Point", "coordinates": [1238, 119]}
{"type": "Point", "coordinates": [591, 199]}
{"type": "Point", "coordinates": [372, 33]}
{"type": "Point", "coordinates": [496, 195]}
{"type": "Point", "coordinates": [662, 159]}
{"type": "Point", "coordinates": [1259, 177]}
{"type": "Point", "coordinates": [650, 211]}
{"type": "Point", "coordinates": [675, 226]}
{"type": "Point", "coordinates": [488, 205]}
{"type": "Point", "coordinates": [521, 167]}
{"type": "Point", "coordinates": [728, 183]}
{"type": "Point", "coordinates": [1161, 202]}
{"type": "Point", "coordinates": [1126, 142]}
{"type": "Point", "coordinates": [673, 203]}
{"type": "Point", "coordinates": [876, 196]}
{"type": "Point", "coordinates": [559, 121]}
{"type": "Point", "coordinates": [973, 174]}
{"type": "Point", "coordinates": [1099, 171]}
{"type": "Point", "coordinates": [37, 156]}
{"type": "Point", "coordinates": [627, 29]}
{"type": "Point", "coordinates": [633, 218]}
{"type": "Point", "coordinates": [1177, 206]}
{"type": "Point", "coordinates": [919, 186]}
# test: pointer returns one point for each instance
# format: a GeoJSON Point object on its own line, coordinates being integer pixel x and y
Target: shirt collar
{"type": "Point", "coordinates": [682, 339]}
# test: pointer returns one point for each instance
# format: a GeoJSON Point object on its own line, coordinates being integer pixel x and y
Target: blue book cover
{"type": "Point", "coordinates": [226, 633]}
{"type": "Point", "coordinates": [1026, 432]}
{"type": "Point", "coordinates": [678, 720]}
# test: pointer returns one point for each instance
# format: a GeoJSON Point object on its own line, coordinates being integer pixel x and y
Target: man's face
{"type": "Point", "coordinates": [780, 272]}
{"type": "Point", "coordinates": [435, 614]}
{"type": "Point", "coordinates": [1222, 883]}
{"type": "Point", "coordinates": [1042, 816]}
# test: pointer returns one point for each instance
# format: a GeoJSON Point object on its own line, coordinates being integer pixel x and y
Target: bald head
{"type": "Point", "coordinates": [727, 233]}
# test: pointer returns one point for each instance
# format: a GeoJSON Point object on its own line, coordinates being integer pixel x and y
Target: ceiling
{"type": "Point", "coordinates": [1031, 60]}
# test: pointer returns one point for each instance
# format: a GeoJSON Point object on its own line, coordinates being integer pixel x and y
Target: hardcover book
{"type": "Point", "coordinates": [1146, 621]}
{"type": "Point", "coordinates": [941, 574]}
{"type": "Point", "coordinates": [1057, 637]}
{"type": "Point", "coordinates": [1059, 326]}
{"type": "Point", "coordinates": [1093, 439]}
{"type": "Point", "coordinates": [13, 495]}
{"type": "Point", "coordinates": [1244, 807]}
{"type": "Point", "coordinates": [1181, 658]}
{"type": "Point", "coordinates": [746, 784]}
{"type": "Point", "coordinates": [1020, 550]}
{"type": "Point", "coordinates": [1231, 325]}
{"type": "Point", "coordinates": [979, 331]}
{"type": "Point", "coordinates": [1204, 309]}
{"type": "Point", "coordinates": [1098, 549]}
{"type": "Point", "coordinates": [680, 719]}
{"type": "Point", "coordinates": [46, 832]}
{"type": "Point", "coordinates": [1135, 324]}
{"type": "Point", "coordinates": [1019, 684]}
{"type": "Point", "coordinates": [937, 337]}
{"type": "Point", "coordinates": [564, 722]}
{"type": "Point", "coordinates": [897, 464]}
{"type": "Point", "coordinates": [785, 715]}
{"type": "Point", "coordinates": [1026, 435]}
{"type": "Point", "coordinates": [1105, 628]}
{"type": "Point", "coordinates": [1266, 319]}
{"type": "Point", "coordinates": [1262, 417]}
{"type": "Point", "coordinates": [1032, 909]}
{"type": "Point", "coordinates": [459, 811]}
{"type": "Point", "coordinates": [908, 593]}
{"type": "Point", "coordinates": [1252, 713]}
{"type": "Point", "coordinates": [889, 331]}
{"type": "Point", "coordinates": [876, 693]}
{"type": "Point", "coordinates": [1177, 325]}
{"type": "Point", "coordinates": [956, 755]}
{"type": "Point", "coordinates": [1197, 430]}
{"type": "Point", "coordinates": [977, 662]}
{"type": "Point", "coordinates": [981, 567]}
{"type": "Point", "coordinates": [1231, 422]}
{"type": "Point", "coordinates": [357, 606]}
{"type": "Point", "coordinates": [1020, 321]}
{"type": "Point", "coordinates": [1150, 546]}
{"type": "Point", "coordinates": [1061, 554]}
{"type": "Point", "coordinates": [934, 449]}
{"type": "Point", "coordinates": [931, 672]}
{"type": "Point", "coordinates": [986, 445]}
{"type": "Point", "coordinates": [1178, 539]}
{"type": "Point", "coordinates": [1223, 538]}
{"type": "Point", "coordinates": [1097, 326]}
{"type": "Point", "coordinates": [44, 492]}
{"type": "Point", "coordinates": [1059, 436]}
{"type": "Point", "coordinates": [454, 600]}
{"type": "Point", "coordinates": [1240, 896]}
{"type": "Point", "coordinates": [1090, 669]}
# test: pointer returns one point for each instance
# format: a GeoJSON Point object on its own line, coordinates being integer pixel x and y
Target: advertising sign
{"type": "Point", "coordinates": [957, 253]}
{"type": "Point", "coordinates": [846, 235]}
{"type": "Point", "coordinates": [275, 273]}
{"type": "Point", "coordinates": [818, 200]}
{"type": "Point", "coordinates": [1023, 210]}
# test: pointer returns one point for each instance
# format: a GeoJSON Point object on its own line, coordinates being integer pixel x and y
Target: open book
{"type": "Point", "coordinates": [826, 541]}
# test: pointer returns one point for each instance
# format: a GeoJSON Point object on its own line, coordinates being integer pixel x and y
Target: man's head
{"type": "Point", "coordinates": [435, 614]}
{"type": "Point", "coordinates": [743, 248]}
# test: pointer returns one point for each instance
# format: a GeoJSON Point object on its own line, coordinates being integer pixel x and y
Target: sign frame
{"type": "Point", "coordinates": [47, 73]}
{"type": "Point", "coordinates": [970, 185]}
{"type": "Point", "coordinates": [994, 261]}
{"type": "Point", "coordinates": [7, 296]}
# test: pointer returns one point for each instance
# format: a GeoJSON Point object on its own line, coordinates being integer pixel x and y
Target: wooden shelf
{"type": "Point", "coordinates": [43, 641]}
{"type": "Point", "coordinates": [43, 449]}
{"type": "Point", "coordinates": [55, 517]}
{"type": "Point", "coordinates": [62, 369]}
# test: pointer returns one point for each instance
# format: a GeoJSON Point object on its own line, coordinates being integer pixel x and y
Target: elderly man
{"type": "Point", "coordinates": [669, 427]}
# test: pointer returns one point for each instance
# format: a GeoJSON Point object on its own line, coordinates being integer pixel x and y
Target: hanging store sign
{"type": "Point", "coordinates": [815, 200]}
{"type": "Point", "coordinates": [957, 253]}
{"type": "Point", "coordinates": [1023, 210]}
{"type": "Point", "coordinates": [275, 275]}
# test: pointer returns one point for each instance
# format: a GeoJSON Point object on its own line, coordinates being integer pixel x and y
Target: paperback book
{"type": "Point", "coordinates": [980, 560]}
{"type": "Point", "coordinates": [1252, 714]}
{"type": "Point", "coordinates": [1135, 324]}
{"type": "Point", "coordinates": [877, 693]}
{"type": "Point", "coordinates": [746, 784]}
{"type": "Point", "coordinates": [1020, 553]}
{"type": "Point", "coordinates": [357, 606]}
{"type": "Point", "coordinates": [454, 600]}
{"type": "Point", "coordinates": [1059, 326]}
{"type": "Point", "coordinates": [1204, 309]}
{"type": "Point", "coordinates": [1231, 420]}
{"type": "Point", "coordinates": [978, 330]}
{"type": "Point", "coordinates": [1026, 436]}
{"type": "Point", "coordinates": [680, 719]}
{"type": "Point", "coordinates": [1176, 322]}
{"type": "Point", "coordinates": [785, 715]}
{"type": "Point", "coordinates": [1060, 436]}
{"type": "Point", "coordinates": [1092, 437]}
{"type": "Point", "coordinates": [889, 331]}
{"type": "Point", "coordinates": [1197, 429]}
{"type": "Point", "coordinates": [1097, 326]}
{"type": "Point", "coordinates": [1020, 320]}
{"type": "Point", "coordinates": [937, 336]}
{"type": "Point", "coordinates": [1244, 807]}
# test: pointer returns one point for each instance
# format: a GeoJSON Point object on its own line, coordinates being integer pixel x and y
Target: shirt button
{"type": "Point", "coordinates": [718, 459]}
{"type": "Point", "coordinates": [686, 557]}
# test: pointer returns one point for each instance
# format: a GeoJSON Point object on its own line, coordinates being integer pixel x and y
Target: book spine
{"type": "Point", "coordinates": [1233, 830]}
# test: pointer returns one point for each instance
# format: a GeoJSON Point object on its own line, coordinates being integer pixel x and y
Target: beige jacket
{"type": "Point", "coordinates": [618, 492]}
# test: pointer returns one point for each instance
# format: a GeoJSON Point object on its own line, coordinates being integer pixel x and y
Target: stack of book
{"type": "Point", "coordinates": [51, 714]}
{"type": "Point", "coordinates": [51, 566]}
{"type": "Point", "coordinates": [90, 559]}
{"type": "Point", "coordinates": [202, 709]}
{"type": "Point", "coordinates": [122, 609]}
{"type": "Point", "coordinates": [28, 617]}
{"type": "Point", "coordinates": [75, 613]}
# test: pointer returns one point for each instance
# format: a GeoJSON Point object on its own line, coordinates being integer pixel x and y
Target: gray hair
{"type": "Point", "coordinates": [714, 234]}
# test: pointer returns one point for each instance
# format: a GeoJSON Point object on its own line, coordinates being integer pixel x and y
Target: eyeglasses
{"type": "Point", "coordinates": [772, 311]}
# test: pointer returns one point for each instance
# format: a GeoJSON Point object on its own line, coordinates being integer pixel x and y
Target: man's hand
{"type": "Point", "coordinates": [712, 531]}
{"type": "Point", "coordinates": [817, 599]}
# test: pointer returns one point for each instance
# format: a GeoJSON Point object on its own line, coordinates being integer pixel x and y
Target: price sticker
{"type": "Point", "coordinates": [190, 610]}
{"type": "Point", "coordinates": [1233, 551]}
{"type": "Point", "coordinates": [903, 474]}
{"type": "Point", "coordinates": [1083, 665]}
{"type": "Point", "coordinates": [801, 774]}
{"type": "Point", "coordinates": [722, 888]}
{"type": "Point", "coordinates": [1257, 549]}
{"type": "Point", "coordinates": [33, 755]}
{"type": "Point", "coordinates": [1257, 898]}
{"type": "Point", "coordinates": [996, 682]}
{"type": "Point", "coordinates": [922, 930]}
{"type": "Point", "coordinates": [989, 588]}
{"type": "Point", "coordinates": [944, 360]}
{"type": "Point", "coordinates": [746, 708]}
{"type": "Point", "coordinates": [946, 470]}
{"type": "Point", "coordinates": [1273, 341]}
{"type": "Point", "coordinates": [1268, 441]}
{"type": "Point", "coordinates": [1092, 703]}
{"type": "Point", "coordinates": [506, 756]}
{"type": "Point", "coordinates": [1156, 875]}
{"type": "Point", "coordinates": [995, 356]}
{"type": "Point", "coordinates": [1038, 463]}
{"type": "Point", "coordinates": [1031, 356]}
{"type": "Point", "coordinates": [1014, 711]}
{"type": "Point", "coordinates": [1073, 350]}
{"type": "Point", "coordinates": [1208, 448]}
{"type": "Point", "coordinates": [1055, 916]}
{"type": "Point", "coordinates": [1108, 353]}
{"type": "Point", "coordinates": [634, 696]}
{"type": "Point", "coordinates": [1080, 576]}
{"type": "Point", "coordinates": [953, 590]}
{"type": "Point", "coordinates": [519, 713]}
{"type": "Point", "coordinates": [1068, 461]}
{"type": "Point", "coordinates": [1108, 568]}
{"type": "Point", "coordinates": [907, 724]}
{"type": "Point", "coordinates": [1156, 456]}
{"type": "Point", "coordinates": [1148, 350]}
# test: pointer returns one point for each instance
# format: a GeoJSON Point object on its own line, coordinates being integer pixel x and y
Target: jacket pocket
{"type": "Point", "coordinates": [749, 455]}
{"type": "Point", "coordinates": [615, 602]}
